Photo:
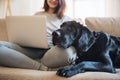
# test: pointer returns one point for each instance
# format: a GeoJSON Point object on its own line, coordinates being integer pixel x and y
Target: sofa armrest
{"type": "Point", "coordinates": [3, 30]}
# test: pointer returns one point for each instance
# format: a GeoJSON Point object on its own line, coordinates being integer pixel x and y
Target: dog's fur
{"type": "Point", "coordinates": [96, 51]}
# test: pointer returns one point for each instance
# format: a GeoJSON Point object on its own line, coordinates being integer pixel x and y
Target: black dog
{"type": "Point", "coordinates": [96, 51]}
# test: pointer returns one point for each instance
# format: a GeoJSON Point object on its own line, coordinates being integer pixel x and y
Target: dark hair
{"type": "Point", "coordinates": [59, 10]}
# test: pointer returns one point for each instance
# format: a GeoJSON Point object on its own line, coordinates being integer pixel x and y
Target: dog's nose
{"type": "Point", "coordinates": [56, 33]}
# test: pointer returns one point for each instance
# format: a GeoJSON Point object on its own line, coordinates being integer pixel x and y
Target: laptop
{"type": "Point", "coordinates": [28, 31]}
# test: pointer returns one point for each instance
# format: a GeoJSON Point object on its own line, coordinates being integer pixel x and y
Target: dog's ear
{"type": "Point", "coordinates": [86, 40]}
{"type": "Point", "coordinates": [78, 29]}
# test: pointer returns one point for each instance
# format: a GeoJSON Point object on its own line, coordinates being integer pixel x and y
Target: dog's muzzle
{"type": "Point", "coordinates": [61, 39]}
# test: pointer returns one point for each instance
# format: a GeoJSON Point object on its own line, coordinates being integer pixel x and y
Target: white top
{"type": "Point", "coordinates": [52, 23]}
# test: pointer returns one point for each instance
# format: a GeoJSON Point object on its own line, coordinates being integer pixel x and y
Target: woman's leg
{"type": "Point", "coordinates": [15, 56]}
{"type": "Point", "coordinates": [57, 57]}
{"type": "Point", "coordinates": [30, 52]}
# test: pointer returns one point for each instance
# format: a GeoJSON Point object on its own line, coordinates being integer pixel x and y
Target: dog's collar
{"type": "Point", "coordinates": [95, 34]}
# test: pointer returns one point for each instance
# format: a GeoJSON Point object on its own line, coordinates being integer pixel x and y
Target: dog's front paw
{"type": "Point", "coordinates": [64, 72]}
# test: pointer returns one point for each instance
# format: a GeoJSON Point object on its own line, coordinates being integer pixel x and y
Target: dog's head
{"type": "Point", "coordinates": [72, 32]}
{"type": "Point", "coordinates": [66, 35]}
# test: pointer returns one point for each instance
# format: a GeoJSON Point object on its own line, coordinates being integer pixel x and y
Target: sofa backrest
{"type": "Point", "coordinates": [3, 31]}
{"type": "Point", "coordinates": [107, 24]}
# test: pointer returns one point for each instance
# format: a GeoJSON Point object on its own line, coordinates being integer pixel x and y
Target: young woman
{"type": "Point", "coordinates": [13, 55]}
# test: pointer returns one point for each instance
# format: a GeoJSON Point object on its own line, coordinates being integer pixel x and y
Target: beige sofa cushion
{"type": "Point", "coordinates": [3, 31]}
{"type": "Point", "coordinates": [107, 24]}
{"type": "Point", "coordinates": [26, 74]}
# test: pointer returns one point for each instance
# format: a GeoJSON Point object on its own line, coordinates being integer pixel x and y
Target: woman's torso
{"type": "Point", "coordinates": [52, 23]}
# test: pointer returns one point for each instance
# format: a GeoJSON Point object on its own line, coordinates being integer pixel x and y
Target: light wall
{"type": "Point", "coordinates": [29, 7]}
{"type": "Point", "coordinates": [112, 8]}
{"type": "Point", "coordinates": [75, 8]}
{"type": "Point", "coordinates": [89, 8]}
{"type": "Point", "coordinates": [22, 7]}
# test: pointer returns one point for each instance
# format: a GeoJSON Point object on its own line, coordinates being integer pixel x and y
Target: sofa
{"type": "Point", "coordinates": [110, 25]}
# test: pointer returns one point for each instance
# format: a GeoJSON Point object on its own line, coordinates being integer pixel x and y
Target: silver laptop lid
{"type": "Point", "coordinates": [29, 31]}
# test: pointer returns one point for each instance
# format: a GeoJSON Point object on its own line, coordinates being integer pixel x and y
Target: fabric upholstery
{"type": "Point", "coordinates": [3, 31]}
{"type": "Point", "coordinates": [107, 24]}
{"type": "Point", "coordinates": [25, 74]}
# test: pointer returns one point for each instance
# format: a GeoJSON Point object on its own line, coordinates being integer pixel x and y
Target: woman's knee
{"type": "Point", "coordinates": [3, 43]}
{"type": "Point", "coordinates": [59, 57]}
{"type": "Point", "coordinates": [7, 44]}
